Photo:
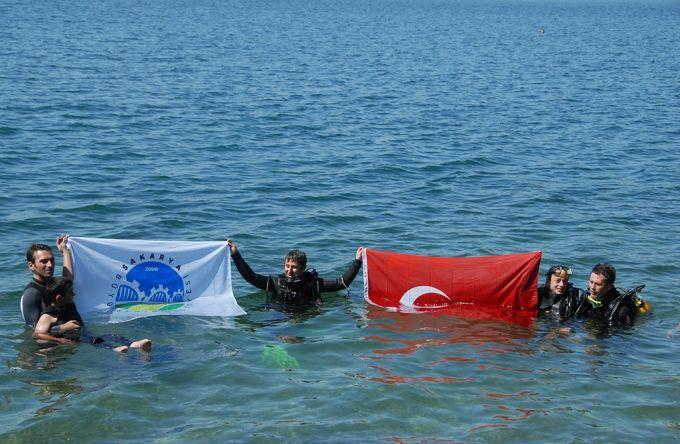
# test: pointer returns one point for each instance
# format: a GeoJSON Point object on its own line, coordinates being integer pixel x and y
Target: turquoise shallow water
{"type": "Point", "coordinates": [429, 127]}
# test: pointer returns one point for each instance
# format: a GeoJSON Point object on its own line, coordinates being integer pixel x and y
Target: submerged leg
{"type": "Point", "coordinates": [110, 341]}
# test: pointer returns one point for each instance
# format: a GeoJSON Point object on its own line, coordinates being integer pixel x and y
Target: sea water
{"type": "Point", "coordinates": [453, 128]}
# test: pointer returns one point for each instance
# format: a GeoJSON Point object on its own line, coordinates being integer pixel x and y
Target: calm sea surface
{"type": "Point", "coordinates": [424, 126]}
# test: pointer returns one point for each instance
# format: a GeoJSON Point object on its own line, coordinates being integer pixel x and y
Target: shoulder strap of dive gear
{"type": "Point", "coordinates": [584, 298]}
{"type": "Point", "coordinates": [570, 303]}
{"type": "Point", "coordinates": [626, 298]}
{"type": "Point", "coordinates": [314, 275]}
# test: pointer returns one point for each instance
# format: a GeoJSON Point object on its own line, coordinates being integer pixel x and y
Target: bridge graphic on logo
{"type": "Point", "coordinates": [151, 283]}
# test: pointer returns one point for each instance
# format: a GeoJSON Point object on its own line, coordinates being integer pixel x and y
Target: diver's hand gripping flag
{"type": "Point", "coordinates": [409, 282]}
{"type": "Point", "coordinates": [134, 278]}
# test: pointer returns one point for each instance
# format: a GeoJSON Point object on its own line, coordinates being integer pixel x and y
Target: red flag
{"type": "Point", "coordinates": [406, 281]}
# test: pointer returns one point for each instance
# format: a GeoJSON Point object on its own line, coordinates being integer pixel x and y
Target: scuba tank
{"type": "Point", "coordinates": [628, 299]}
{"type": "Point", "coordinates": [642, 305]}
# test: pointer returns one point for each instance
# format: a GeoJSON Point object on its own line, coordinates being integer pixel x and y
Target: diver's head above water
{"type": "Point", "coordinates": [602, 280]}
{"type": "Point", "coordinates": [294, 264]}
{"type": "Point", "coordinates": [557, 279]}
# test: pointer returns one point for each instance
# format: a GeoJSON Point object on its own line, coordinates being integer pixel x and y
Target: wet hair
{"type": "Point", "coordinates": [606, 270]}
{"type": "Point", "coordinates": [58, 286]}
{"type": "Point", "coordinates": [30, 253]}
{"type": "Point", "coordinates": [298, 256]}
{"type": "Point", "coordinates": [557, 269]}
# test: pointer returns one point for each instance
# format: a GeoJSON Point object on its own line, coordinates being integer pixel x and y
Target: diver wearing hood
{"type": "Point", "coordinates": [559, 292]}
{"type": "Point", "coordinates": [297, 287]}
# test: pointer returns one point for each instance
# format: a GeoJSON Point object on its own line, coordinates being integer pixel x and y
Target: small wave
{"type": "Point", "coordinates": [92, 208]}
{"type": "Point", "coordinates": [8, 131]}
{"type": "Point", "coordinates": [662, 269]}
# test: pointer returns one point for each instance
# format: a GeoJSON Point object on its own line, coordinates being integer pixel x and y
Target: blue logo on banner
{"type": "Point", "coordinates": [151, 283]}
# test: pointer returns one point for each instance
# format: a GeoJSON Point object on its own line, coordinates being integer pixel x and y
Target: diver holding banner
{"type": "Point", "coordinates": [40, 261]}
{"type": "Point", "coordinates": [297, 288]}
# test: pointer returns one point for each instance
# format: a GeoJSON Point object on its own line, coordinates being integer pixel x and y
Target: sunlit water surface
{"type": "Point", "coordinates": [426, 126]}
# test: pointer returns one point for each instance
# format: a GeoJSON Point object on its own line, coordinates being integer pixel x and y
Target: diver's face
{"type": "Point", "coordinates": [598, 286]}
{"type": "Point", "coordinates": [292, 269]}
{"type": "Point", "coordinates": [557, 284]}
{"type": "Point", "coordinates": [42, 266]}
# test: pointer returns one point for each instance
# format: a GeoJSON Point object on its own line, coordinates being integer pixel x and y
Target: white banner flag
{"type": "Point", "coordinates": [134, 278]}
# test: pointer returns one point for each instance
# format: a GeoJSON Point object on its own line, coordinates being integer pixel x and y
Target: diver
{"type": "Point", "coordinates": [607, 304]}
{"type": "Point", "coordinates": [559, 293]}
{"type": "Point", "coordinates": [297, 288]}
{"type": "Point", "coordinates": [56, 321]}
{"type": "Point", "coordinates": [41, 263]}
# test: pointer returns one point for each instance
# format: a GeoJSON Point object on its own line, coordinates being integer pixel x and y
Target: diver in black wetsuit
{"type": "Point", "coordinates": [297, 288]}
{"type": "Point", "coordinates": [604, 302]}
{"type": "Point", "coordinates": [558, 292]}
{"type": "Point", "coordinates": [40, 261]}
{"type": "Point", "coordinates": [62, 312]}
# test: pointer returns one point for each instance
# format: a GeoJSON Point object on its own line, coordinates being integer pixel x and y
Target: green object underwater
{"type": "Point", "coordinates": [277, 355]}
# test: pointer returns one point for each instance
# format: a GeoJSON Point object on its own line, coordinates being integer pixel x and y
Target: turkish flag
{"type": "Point", "coordinates": [410, 282]}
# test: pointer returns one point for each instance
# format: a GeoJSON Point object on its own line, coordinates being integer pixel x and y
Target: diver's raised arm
{"type": "Point", "coordinates": [62, 245]}
{"type": "Point", "coordinates": [254, 279]}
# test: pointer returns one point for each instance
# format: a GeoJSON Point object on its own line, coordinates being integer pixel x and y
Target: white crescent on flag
{"type": "Point", "coordinates": [409, 298]}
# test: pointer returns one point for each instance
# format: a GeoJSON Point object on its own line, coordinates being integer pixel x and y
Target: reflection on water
{"type": "Point", "coordinates": [395, 379]}
{"type": "Point", "coordinates": [55, 393]}
{"type": "Point", "coordinates": [513, 415]}
{"type": "Point", "coordinates": [510, 395]}
{"type": "Point", "coordinates": [262, 315]}
{"type": "Point", "coordinates": [452, 345]}
{"type": "Point", "coordinates": [38, 365]}
{"type": "Point", "coordinates": [34, 356]}
{"type": "Point", "coordinates": [461, 352]}
{"type": "Point", "coordinates": [443, 329]}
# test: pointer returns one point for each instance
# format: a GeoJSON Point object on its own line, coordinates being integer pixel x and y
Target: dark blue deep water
{"type": "Point", "coordinates": [424, 126]}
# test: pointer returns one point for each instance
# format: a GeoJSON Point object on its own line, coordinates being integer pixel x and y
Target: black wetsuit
{"type": "Point", "coordinates": [68, 313]}
{"type": "Point", "coordinates": [64, 313]}
{"type": "Point", "coordinates": [602, 311]}
{"type": "Point", "coordinates": [297, 295]}
{"type": "Point", "coordinates": [33, 302]}
{"type": "Point", "coordinates": [568, 301]}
